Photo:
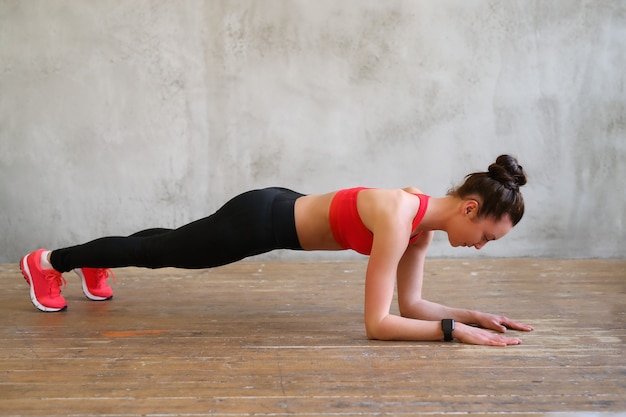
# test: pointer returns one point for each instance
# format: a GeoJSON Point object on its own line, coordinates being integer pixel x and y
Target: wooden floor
{"type": "Point", "coordinates": [285, 338]}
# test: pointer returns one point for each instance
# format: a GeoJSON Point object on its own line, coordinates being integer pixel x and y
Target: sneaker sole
{"type": "Point", "coordinates": [88, 294]}
{"type": "Point", "coordinates": [29, 280]}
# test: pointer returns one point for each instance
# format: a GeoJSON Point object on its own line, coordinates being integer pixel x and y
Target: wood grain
{"type": "Point", "coordinates": [282, 338]}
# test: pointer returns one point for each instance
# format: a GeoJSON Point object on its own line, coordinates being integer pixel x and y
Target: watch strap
{"type": "Point", "coordinates": [447, 326]}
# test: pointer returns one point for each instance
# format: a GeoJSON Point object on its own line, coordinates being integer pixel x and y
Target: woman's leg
{"type": "Point", "coordinates": [151, 232]}
{"type": "Point", "coordinates": [242, 227]}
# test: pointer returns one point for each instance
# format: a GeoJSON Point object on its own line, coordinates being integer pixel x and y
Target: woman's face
{"type": "Point", "coordinates": [471, 231]}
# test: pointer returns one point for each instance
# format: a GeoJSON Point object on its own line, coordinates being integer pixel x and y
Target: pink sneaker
{"type": "Point", "coordinates": [95, 284]}
{"type": "Point", "coordinates": [45, 284]}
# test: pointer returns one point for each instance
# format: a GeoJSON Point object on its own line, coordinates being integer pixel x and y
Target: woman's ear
{"type": "Point", "coordinates": [470, 208]}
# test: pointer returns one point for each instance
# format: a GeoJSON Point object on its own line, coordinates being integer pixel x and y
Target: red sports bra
{"type": "Point", "coordinates": [348, 228]}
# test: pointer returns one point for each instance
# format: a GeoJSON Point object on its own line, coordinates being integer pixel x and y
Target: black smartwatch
{"type": "Point", "coordinates": [447, 325]}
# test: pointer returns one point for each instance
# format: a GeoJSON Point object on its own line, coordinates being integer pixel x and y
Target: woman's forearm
{"type": "Point", "coordinates": [428, 310]}
{"type": "Point", "coordinates": [393, 327]}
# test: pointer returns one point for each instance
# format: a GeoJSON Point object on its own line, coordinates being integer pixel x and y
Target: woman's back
{"type": "Point", "coordinates": [313, 222]}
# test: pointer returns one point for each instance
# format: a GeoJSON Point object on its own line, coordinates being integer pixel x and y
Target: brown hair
{"type": "Point", "coordinates": [498, 188]}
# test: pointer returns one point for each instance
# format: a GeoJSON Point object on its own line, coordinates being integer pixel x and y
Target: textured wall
{"type": "Point", "coordinates": [118, 115]}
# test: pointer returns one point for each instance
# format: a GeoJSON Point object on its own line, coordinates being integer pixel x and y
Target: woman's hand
{"type": "Point", "coordinates": [499, 323]}
{"type": "Point", "coordinates": [477, 336]}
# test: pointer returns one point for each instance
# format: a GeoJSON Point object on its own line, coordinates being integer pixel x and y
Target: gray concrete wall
{"type": "Point", "coordinates": [120, 115]}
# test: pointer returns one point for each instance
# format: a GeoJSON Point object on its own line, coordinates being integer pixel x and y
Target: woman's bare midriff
{"type": "Point", "coordinates": [312, 222]}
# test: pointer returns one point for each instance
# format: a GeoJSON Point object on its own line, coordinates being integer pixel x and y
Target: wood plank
{"type": "Point", "coordinates": [287, 338]}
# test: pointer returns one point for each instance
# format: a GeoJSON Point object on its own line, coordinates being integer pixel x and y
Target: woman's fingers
{"type": "Point", "coordinates": [513, 325]}
{"type": "Point", "coordinates": [501, 323]}
{"type": "Point", "coordinates": [478, 336]}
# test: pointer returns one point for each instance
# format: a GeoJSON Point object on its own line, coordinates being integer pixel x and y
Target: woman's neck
{"type": "Point", "coordinates": [439, 213]}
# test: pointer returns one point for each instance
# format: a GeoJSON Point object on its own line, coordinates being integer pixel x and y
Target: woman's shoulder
{"type": "Point", "coordinates": [412, 190]}
{"type": "Point", "coordinates": [393, 202]}
{"type": "Point", "coordinates": [387, 195]}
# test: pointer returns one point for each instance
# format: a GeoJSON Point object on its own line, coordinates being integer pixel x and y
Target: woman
{"type": "Point", "coordinates": [393, 227]}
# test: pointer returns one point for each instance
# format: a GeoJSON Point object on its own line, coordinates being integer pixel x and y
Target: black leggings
{"type": "Point", "coordinates": [252, 223]}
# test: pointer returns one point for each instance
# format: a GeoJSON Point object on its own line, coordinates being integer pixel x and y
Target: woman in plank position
{"type": "Point", "coordinates": [394, 227]}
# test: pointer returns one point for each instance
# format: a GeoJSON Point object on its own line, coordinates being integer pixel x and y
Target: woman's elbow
{"type": "Point", "coordinates": [371, 335]}
{"type": "Point", "coordinates": [376, 331]}
{"type": "Point", "coordinates": [410, 310]}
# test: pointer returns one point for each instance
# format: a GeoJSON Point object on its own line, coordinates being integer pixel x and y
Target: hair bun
{"type": "Point", "coordinates": [508, 172]}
